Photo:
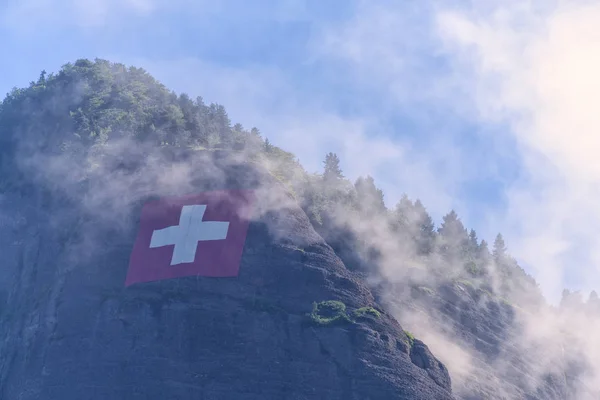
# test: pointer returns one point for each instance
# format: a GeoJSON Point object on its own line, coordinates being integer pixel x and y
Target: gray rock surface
{"type": "Point", "coordinates": [503, 366]}
{"type": "Point", "coordinates": [71, 330]}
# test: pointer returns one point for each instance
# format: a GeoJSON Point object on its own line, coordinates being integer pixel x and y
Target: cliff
{"type": "Point", "coordinates": [71, 329]}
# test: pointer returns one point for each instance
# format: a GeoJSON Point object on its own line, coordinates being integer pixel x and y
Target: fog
{"type": "Point", "coordinates": [528, 67]}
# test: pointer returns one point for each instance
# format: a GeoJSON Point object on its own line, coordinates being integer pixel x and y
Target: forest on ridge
{"type": "Point", "coordinates": [87, 104]}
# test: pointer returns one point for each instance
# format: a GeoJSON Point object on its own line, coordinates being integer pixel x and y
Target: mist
{"type": "Point", "coordinates": [107, 181]}
{"type": "Point", "coordinates": [525, 73]}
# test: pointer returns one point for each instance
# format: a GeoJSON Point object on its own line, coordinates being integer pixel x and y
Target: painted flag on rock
{"type": "Point", "coordinates": [194, 235]}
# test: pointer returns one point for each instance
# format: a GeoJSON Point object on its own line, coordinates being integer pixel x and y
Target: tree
{"type": "Point", "coordinates": [412, 222]}
{"type": "Point", "coordinates": [332, 171]}
{"type": "Point", "coordinates": [564, 298]}
{"type": "Point", "coordinates": [453, 238]}
{"type": "Point", "coordinates": [42, 78]}
{"type": "Point", "coordinates": [483, 252]}
{"type": "Point", "coordinates": [452, 229]}
{"type": "Point", "coordinates": [426, 229]}
{"type": "Point", "coordinates": [255, 132]}
{"type": "Point", "coordinates": [403, 213]}
{"type": "Point", "coordinates": [452, 226]}
{"type": "Point", "coordinates": [221, 123]}
{"type": "Point", "coordinates": [571, 300]}
{"type": "Point", "coordinates": [238, 128]}
{"type": "Point", "coordinates": [268, 146]}
{"type": "Point", "coordinates": [370, 198]}
{"type": "Point", "coordinates": [593, 303]}
{"type": "Point", "coordinates": [499, 251]}
{"type": "Point", "coordinates": [473, 242]}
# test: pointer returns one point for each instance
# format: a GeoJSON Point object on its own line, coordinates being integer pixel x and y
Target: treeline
{"type": "Point", "coordinates": [574, 301]}
{"type": "Point", "coordinates": [450, 251]}
{"type": "Point", "coordinates": [89, 103]}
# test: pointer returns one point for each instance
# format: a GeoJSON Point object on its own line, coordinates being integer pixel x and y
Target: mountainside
{"type": "Point", "coordinates": [328, 280]}
{"type": "Point", "coordinates": [294, 324]}
{"type": "Point", "coordinates": [494, 359]}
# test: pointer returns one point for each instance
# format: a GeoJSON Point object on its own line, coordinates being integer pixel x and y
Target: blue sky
{"type": "Point", "coordinates": [452, 102]}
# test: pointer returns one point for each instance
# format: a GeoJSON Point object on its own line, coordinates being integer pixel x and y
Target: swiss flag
{"type": "Point", "coordinates": [196, 235]}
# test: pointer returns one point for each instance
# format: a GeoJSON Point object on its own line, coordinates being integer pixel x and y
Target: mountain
{"type": "Point", "coordinates": [331, 282]}
{"type": "Point", "coordinates": [81, 152]}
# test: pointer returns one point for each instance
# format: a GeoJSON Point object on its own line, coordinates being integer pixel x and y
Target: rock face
{"type": "Point", "coordinates": [501, 364]}
{"type": "Point", "coordinates": [71, 330]}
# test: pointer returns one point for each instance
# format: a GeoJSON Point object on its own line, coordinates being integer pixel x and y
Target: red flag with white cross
{"type": "Point", "coordinates": [195, 235]}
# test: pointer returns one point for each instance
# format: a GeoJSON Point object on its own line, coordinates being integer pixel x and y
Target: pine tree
{"type": "Point", "coordinates": [370, 198]}
{"type": "Point", "coordinates": [268, 146]}
{"type": "Point", "coordinates": [452, 226]}
{"type": "Point", "coordinates": [255, 132]}
{"type": "Point", "coordinates": [42, 78]}
{"type": "Point", "coordinates": [571, 300]}
{"type": "Point", "coordinates": [564, 299]}
{"type": "Point", "coordinates": [332, 171]}
{"type": "Point", "coordinates": [593, 303]}
{"type": "Point", "coordinates": [402, 211]}
{"type": "Point", "coordinates": [499, 251]}
{"type": "Point", "coordinates": [453, 238]}
{"type": "Point", "coordinates": [238, 128]}
{"type": "Point", "coordinates": [452, 230]}
{"type": "Point", "coordinates": [473, 241]}
{"type": "Point", "coordinates": [483, 252]}
{"type": "Point", "coordinates": [426, 232]}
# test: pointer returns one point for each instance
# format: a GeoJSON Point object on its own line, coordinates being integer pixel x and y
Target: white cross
{"type": "Point", "coordinates": [188, 233]}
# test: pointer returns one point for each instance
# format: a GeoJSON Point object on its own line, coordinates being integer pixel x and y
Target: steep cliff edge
{"type": "Point", "coordinates": [71, 330]}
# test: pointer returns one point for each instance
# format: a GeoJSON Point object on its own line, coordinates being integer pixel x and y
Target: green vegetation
{"type": "Point", "coordinates": [411, 338]}
{"type": "Point", "coordinates": [364, 312]}
{"type": "Point", "coordinates": [472, 268]}
{"type": "Point", "coordinates": [329, 312]}
{"type": "Point", "coordinates": [333, 312]}
{"type": "Point", "coordinates": [78, 112]}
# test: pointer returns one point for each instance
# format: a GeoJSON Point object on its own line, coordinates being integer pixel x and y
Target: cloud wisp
{"type": "Point", "coordinates": [531, 71]}
{"type": "Point", "coordinates": [536, 71]}
{"type": "Point", "coordinates": [524, 71]}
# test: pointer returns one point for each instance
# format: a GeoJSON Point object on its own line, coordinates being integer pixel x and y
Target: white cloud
{"type": "Point", "coordinates": [378, 47]}
{"type": "Point", "coordinates": [508, 62]}
{"type": "Point", "coordinates": [307, 125]}
{"type": "Point", "coordinates": [538, 72]}
{"type": "Point", "coordinates": [266, 97]}
{"type": "Point", "coordinates": [512, 62]}
{"type": "Point", "coordinates": [530, 66]}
